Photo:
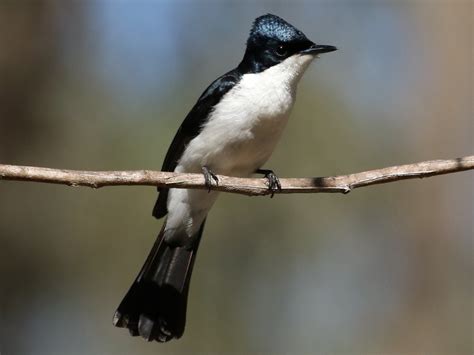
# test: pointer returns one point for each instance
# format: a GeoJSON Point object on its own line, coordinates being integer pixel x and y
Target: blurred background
{"type": "Point", "coordinates": [105, 84]}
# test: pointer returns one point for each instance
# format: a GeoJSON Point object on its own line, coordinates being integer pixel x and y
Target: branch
{"type": "Point", "coordinates": [245, 186]}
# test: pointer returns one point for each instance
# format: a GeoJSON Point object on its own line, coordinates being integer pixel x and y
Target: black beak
{"type": "Point", "coordinates": [318, 49]}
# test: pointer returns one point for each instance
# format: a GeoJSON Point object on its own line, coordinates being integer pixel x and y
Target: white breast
{"type": "Point", "coordinates": [245, 126]}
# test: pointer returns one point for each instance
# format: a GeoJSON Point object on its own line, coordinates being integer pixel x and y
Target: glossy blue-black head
{"type": "Point", "coordinates": [272, 40]}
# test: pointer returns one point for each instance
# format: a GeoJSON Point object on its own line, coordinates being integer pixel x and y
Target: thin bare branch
{"type": "Point", "coordinates": [245, 186]}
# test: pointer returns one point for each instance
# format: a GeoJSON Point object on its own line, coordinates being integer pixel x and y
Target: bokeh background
{"type": "Point", "coordinates": [105, 84]}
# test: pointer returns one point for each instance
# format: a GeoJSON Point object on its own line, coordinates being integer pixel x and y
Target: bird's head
{"type": "Point", "coordinates": [272, 40]}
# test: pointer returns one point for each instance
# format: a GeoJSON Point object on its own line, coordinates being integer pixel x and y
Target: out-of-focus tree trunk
{"type": "Point", "coordinates": [436, 296]}
{"type": "Point", "coordinates": [29, 54]}
{"type": "Point", "coordinates": [32, 34]}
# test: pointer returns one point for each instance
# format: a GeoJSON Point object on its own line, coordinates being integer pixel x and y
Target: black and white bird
{"type": "Point", "coordinates": [231, 130]}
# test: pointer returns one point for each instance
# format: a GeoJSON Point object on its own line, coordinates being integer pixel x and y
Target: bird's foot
{"type": "Point", "coordinates": [208, 177]}
{"type": "Point", "coordinates": [273, 181]}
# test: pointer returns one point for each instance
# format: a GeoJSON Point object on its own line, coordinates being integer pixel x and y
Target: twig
{"type": "Point", "coordinates": [245, 186]}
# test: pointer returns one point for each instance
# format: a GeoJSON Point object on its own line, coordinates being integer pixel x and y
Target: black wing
{"type": "Point", "coordinates": [191, 127]}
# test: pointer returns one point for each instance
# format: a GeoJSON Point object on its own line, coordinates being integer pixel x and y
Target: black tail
{"type": "Point", "coordinates": [155, 305]}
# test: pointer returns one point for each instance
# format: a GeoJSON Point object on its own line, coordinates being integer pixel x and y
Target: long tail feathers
{"type": "Point", "coordinates": [155, 305]}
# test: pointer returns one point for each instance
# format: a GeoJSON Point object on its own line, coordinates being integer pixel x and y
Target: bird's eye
{"type": "Point", "coordinates": [281, 50]}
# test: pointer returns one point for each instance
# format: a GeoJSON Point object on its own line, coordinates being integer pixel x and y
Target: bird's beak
{"type": "Point", "coordinates": [316, 49]}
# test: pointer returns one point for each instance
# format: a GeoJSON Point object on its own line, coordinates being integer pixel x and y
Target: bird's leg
{"type": "Point", "coordinates": [208, 177]}
{"type": "Point", "coordinates": [273, 181]}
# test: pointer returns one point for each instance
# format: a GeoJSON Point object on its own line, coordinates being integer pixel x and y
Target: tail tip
{"type": "Point", "coordinates": [148, 328]}
{"type": "Point", "coordinates": [154, 329]}
{"type": "Point", "coordinates": [118, 320]}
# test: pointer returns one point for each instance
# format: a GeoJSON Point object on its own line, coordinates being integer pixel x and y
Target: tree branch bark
{"type": "Point", "coordinates": [245, 186]}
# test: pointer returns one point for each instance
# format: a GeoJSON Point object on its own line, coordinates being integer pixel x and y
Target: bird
{"type": "Point", "coordinates": [231, 130]}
